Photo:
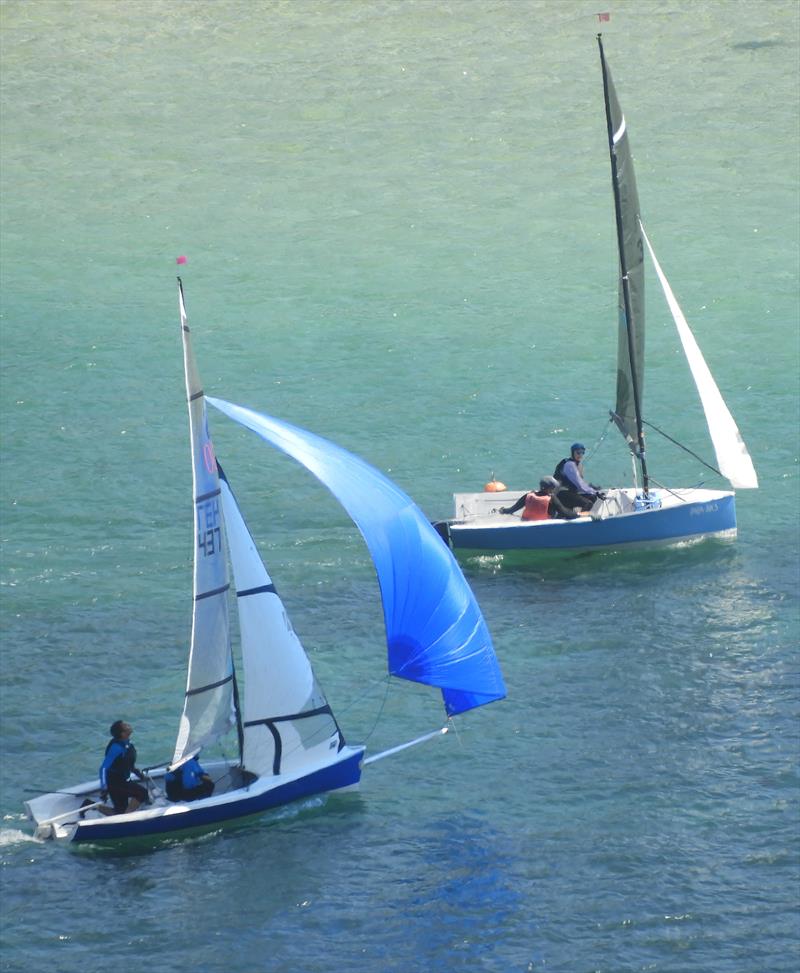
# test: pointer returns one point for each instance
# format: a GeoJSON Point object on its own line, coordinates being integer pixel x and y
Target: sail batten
{"type": "Point", "coordinates": [733, 459]}
{"type": "Point", "coordinates": [211, 594]}
{"type": "Point", "coordinates": [287, 721]}
{"type": "Point", "coordinates": [208, 689]}
{"type": "Point", "coordinates": [257, 591]}
{"type": "Point", "coordinates": [435, 631]}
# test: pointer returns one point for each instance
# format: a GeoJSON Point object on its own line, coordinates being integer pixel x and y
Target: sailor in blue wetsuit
{"type": "Point", "coordinates": [116, 770]}
{"type": "Point", "coordinates": [189, 782]}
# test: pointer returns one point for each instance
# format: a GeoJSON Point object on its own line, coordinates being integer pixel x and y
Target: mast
{"type": "Point", "coordinates": [624, 280]}
{"type": "Point", "coordinates": [210, 707]}
{"type": "Point", "coordinates": [239, 724]}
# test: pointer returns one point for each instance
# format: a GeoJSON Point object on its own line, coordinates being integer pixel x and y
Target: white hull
{"type": "Point", "coordinates": [57, 815]}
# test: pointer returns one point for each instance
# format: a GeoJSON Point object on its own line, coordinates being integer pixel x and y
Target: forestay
{"type": "Point", "coordinates": [208, 709]}
{"type": "Point", "coordinates": [435, 631]}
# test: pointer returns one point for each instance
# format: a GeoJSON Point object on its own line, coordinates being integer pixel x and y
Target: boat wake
{"type": "Point", "coordinates": [15, 836]}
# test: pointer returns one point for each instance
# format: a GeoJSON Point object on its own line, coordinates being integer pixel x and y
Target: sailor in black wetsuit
{"type": "Point", "coordinates": [575, 492]}
{"type": "Point", "coordinates": [116, 770]}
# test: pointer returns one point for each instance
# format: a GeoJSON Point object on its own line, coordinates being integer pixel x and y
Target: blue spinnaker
{"type": "Point", "coordinates": [435, 631]}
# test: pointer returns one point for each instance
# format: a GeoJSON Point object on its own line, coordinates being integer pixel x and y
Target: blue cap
{"type": "Point", "coordinates": [575, 446]}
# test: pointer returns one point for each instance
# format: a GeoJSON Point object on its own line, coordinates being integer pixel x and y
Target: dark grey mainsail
{"type": "Point", "coordinates": [630, 352]}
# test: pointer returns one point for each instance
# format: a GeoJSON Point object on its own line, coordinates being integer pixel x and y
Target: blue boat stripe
{"type": "Point", "coordinates": [207, 496]}
{"type": "Point", "coordinates": [264, 588]}
{"type": "Point", "coordinates": [210, 594]}
{"type": "Point", "coordinates": [211, 685]}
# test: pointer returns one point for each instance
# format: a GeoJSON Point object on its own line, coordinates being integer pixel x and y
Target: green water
{"type": "Point", "coordinates": [399, 232]}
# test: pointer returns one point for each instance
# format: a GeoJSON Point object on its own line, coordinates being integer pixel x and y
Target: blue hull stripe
{"type": "Point", "coordinates": [343, 774]}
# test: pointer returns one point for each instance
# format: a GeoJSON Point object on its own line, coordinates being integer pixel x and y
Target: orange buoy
{"type": "Point", "coordinates": [495, 486]}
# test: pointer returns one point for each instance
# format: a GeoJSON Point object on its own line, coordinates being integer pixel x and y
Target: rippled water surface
{"type": "Point", "coordinates": [399, 233]}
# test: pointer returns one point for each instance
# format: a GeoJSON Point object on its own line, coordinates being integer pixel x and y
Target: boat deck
{"type": "Point", "coordinates": [674, 516]}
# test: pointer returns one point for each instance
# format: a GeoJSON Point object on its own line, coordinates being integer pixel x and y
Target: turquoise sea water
{"type": "Point", "coordinates": [398, 224]}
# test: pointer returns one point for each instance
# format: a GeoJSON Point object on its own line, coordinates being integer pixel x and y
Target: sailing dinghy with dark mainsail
{"type": "Point", "coordinates": [641, 514]}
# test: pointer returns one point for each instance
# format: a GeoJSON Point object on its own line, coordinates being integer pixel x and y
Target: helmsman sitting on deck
{"type": "Point", "coordinates": [189, 782]}
{"type": "Point", "coordinates": [544, 504]}
{"type": "Point", "coordinates": [576, 492]}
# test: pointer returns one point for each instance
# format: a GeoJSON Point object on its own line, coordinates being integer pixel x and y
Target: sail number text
{"type": "Point", "coordinates": [209, 534]}
{"type": "Point", "coordinates": [708, 508]}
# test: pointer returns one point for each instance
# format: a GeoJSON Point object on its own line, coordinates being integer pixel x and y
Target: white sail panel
{"type": "Point", "coordinates": [732, 456]}
{"type": "Point", "coordinates": [287, 721]}
{"type": "Point", "coordinates": [208, 710]}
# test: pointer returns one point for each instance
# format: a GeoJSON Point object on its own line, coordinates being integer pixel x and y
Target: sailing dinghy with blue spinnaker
{"type": "Point", "coordinates": [637, 515]}
{"type": "Point", "coordinates": [289, 741]}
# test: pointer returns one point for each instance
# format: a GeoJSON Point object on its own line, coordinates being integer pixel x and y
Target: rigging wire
{"type": "Point", "coordinates": [310, 737]}
{"type": "Point", "coordinates": [452, 725]}
{"type": "Point", "coordinates": [666, 489]}
{"type": "Point", "coordinates": [380, 711]}
{"type": "Point", "coordinates": [681, 446]}
{"type": "Point", "coordinates": [600, 439]}
{"type": "Point", "coordinates": [661, 432]}
{"type": "Point", "coordinates": [320, 731]}
{"type": "Point", "coordinates": [367, 691]}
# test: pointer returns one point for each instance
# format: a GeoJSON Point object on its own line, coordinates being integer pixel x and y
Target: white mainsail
{"type": "Point", "coordinates": [208, 709]}
{"type": "Point", "coordinates": [287, 721]}
{"type": "Point", "coordinates": [732, 456]}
